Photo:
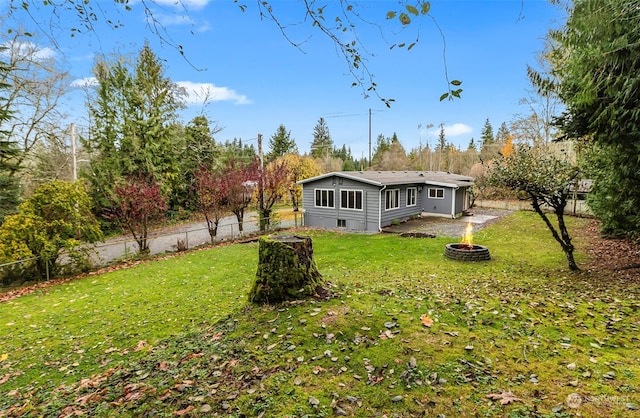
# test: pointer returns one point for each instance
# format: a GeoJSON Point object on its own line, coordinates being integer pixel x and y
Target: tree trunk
{"type": "Point", "coordinates": [286, 270]}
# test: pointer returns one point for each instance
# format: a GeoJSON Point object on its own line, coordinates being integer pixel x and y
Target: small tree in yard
{"type": "Point", "coordinates": [211, 194]}
{"type": "Point", "coordinates": [272, 187]}
{"type": "Point", "coordinates": [240, 180]}
{"type": "Point", "coordinates": [56, 218]}
{"type": "Point", "coordinates": [545, 180]}
{"type": "Point", "coordinates": [136, 205]}
{"type": "Point", "coordinates": [298, 168]}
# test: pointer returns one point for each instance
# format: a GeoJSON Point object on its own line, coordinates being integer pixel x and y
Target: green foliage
{"type": "Point", "coordinates": [281, 144]}
{"type": "Point", "coordinates": [600, 39]}
{"type": "Point", "coordinates": [56, 218]}
{"type": "Point", "coordinates": [9, 194]}
{"type": "Point", "coordinates": [545, 180]}
{"type": "Point", "coordinates": [134, 113]}
{"type": "Point", "coordinates": [184, 340]}
{"type": "Point", "coordinates": [615, 196]}
{"type": "Point", "coordinates": [322, 144]}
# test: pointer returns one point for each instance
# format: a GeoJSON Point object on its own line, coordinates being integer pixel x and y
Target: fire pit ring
{"type": "Point", "coordinates": [465, 252]}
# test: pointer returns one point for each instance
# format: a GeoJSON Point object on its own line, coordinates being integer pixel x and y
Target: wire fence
{"type": "Point", "coordinates": [194, 235]}
{"type": "Point", "coordinates": [165, 240]}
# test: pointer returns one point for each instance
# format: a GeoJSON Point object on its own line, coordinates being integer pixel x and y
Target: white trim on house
{"type": "Point", "coordinates": [435, 189]}
{"type": "Point", "coordinates": [355, 191]}
{"type": "Point", "coordinates": [395, 199]}
{"type": "Point", "coordinates": [329, 191]}
{"type": "Point", "coordinates": [414, 195]}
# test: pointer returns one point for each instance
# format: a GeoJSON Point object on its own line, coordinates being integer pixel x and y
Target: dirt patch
{"type": "Point", "coordinates": [612, 259]}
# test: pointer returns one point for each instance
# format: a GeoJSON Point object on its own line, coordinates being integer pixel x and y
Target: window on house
{"type": "Point", "coordinates": [324, 198]}
{"type": "Point", "coordinates": [342, 223]}
{"type": "Point", "coordinates": [436, 193]}
{"type": "Point", "coordinates": [392, 199]}
{"type": "Point", "coordinates": [351, 199]}
{"type": "Point", "coordinates": [412, 192]}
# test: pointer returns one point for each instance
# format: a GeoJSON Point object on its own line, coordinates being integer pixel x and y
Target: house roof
{"type": "Point", "coordinates": [391, 178]}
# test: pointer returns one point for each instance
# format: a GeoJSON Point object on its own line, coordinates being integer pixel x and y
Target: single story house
{"type": "Point", "coordinates": [370, 200]}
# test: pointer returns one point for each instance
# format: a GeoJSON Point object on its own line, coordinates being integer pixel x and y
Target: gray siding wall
{"type": "Point", "coordinates": [402, 212]}
{"type": "Point", "coordinates": [365, 219]}
{"type": "Point", "coordinates": [374, 213]}
{"type": "Point", "coordinates": [437, 206]}
{"type": "Point", "coordinates": [462, 200]}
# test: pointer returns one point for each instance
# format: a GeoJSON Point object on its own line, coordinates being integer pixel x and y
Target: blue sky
{"type": "Point", "coordinates": [258, 80]}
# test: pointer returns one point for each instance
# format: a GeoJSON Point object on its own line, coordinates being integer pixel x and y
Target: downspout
{"type": "Point", "coordinates": [380, 209]}
{"type": "Point", "coordinates": [453, 202]}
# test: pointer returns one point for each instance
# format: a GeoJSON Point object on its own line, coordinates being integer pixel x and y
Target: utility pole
{"type": "Point", "coordinates": [73, 152]}
{"type": "Point", "coordinates": [369, 137]}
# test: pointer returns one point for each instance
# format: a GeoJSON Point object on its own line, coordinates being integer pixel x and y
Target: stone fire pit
{"type": "Point", "coordinates": [466, 252]}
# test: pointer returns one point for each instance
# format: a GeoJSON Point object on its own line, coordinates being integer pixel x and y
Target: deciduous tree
{"type": "Point", "coordinates": [333, 22]}
{"type": "Point", "coordinates": [211, 192]}
{"type": "Point", "coordinates": [299, 168]}
{"type": "Point", "coordinates": [543, 179]}
{"type": "Point", "coordinates": [136, 204]}
{"type": "Point", "coordinates": [241, 179]}
{"type": "Point", "coordinates": [56, 217]}
{"type": "Point", "coordinates": [272, 187]}
{"type": "Point", "coordinates": [35, 85]}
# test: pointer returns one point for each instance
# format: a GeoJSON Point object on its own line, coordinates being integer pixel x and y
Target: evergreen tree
{"type": "Point", "coordinates": [236, 150]}
{"type": "Point", "coordinates": [472, 145]}
{"type": "Point", "coordinates": [490, 149]}
{"type": "Point", "coordinates": [502, 134]}
{"type": "Point", "coordinates": [9, 182]}
{"type": "Point", "coordinates": [322, 144]}
{"type": "Point", "coordinates": [382, 145]}
{"type": "Point", "coordinates": [201, 149]}
{"type": "Point", "coordinates": [600, 39]}
{"type": "Point", "coordinates": [280, 144]}
{"type": "Point", "coordinates": [134, 113]}
{"type": "Point", "coordinates": [442, 140]}
{"type": "Point", "coordinates": [487, 133]}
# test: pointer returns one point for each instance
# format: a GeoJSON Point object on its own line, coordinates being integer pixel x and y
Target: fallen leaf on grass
{"type": "Point", "coordinates": [386, 334]}
{"type": "Point", "coordinates": [505, 398]}
{"type": "Point", "coordinates": [184, 411]}
{"type": "Point", "coordinates": [426, 320]}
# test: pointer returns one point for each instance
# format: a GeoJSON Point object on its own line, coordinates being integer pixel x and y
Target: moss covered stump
{"type": "Point", "coordinates": [286, 270]}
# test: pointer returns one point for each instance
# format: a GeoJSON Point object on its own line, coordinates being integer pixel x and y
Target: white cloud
{"type": "Point", "coordinates": [174, 19]}
{"type": "Point", "coordinates": [184, 4]}
{"type": "Point", "coordinates": [456, 129]}
{"type": "Point", "coordinates": [198, 93]}
{"type": "Point", "coordinates": [195, 93]}
{"type": "Point", "coordinates": [28, 50]}
{"type": "Point", "coordinates": [83, 83]}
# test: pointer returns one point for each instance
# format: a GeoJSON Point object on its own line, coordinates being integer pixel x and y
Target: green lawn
{"type": "Point", "coordinates": [517, 336]}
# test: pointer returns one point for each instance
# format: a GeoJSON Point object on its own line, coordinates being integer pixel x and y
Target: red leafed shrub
{"type": "Point", "coordinates": [137, 204]}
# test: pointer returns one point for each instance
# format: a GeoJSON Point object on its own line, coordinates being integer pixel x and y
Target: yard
{"type": "Point", "coordinates": [406, 333]}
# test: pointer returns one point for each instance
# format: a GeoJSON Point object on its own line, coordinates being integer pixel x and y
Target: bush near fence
{"type": "Point", "coordinates": [123, 248]}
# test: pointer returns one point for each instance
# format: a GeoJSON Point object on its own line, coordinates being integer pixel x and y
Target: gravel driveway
{"type": "Point", "coordinates": [447, 227]}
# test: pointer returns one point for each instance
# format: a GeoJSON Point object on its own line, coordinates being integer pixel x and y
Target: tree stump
{"type": "Point", "coordinates": [286, 270]}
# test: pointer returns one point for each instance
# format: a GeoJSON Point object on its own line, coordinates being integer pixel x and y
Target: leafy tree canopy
{"type": "Point", "coordinates": [543, 179]}
{"type": "Point", "coordinates": [56, 217]}
{"type": "Point", "coordinates": [597, 63]}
